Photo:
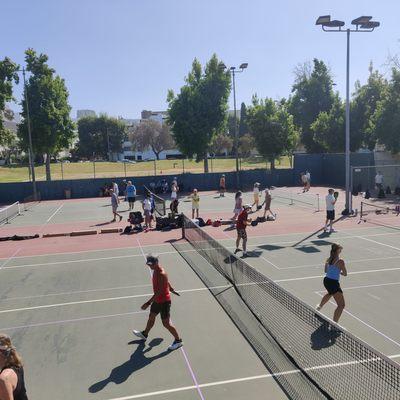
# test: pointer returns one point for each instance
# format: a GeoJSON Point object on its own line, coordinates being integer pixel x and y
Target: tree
{"type": "Point", "coordinates": [272, 127]}
{"type": "Point", "coordinates": [100, 136]}
{"type": "Point", "coordinates": [386, 120]}
{"type": "Point", "coordinates": [243, 129]}
{"type": "Point", "coordinates": [329, 128]}
{"type": "Point", "coordinates": [246, 145]}
{"type": "Point", "coordinates": [8, 145]}
{"type": "Point", "coordinates": [198, 113]}
{"type": "Point", "coordinates": [222, 143]}
{"type": "Point", "coordinates": [8, 76]}
{"type": "Point", "coordinates": [363, 107]}
{"type": "Point", "coordinates": [151, 134]}
{"type": "Point", "coordinates": [312, 94]}
{"type": "Point", "coordinates": [51, 124]}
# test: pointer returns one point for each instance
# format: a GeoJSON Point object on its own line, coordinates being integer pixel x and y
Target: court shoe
{"type": "Point", "coordinates": [140, 335]}
{"type": "Point", "coordinates": [318, 307]}
{"type": "Point", "coordinates": [175, 345]}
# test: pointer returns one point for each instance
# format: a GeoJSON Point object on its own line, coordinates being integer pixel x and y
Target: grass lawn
{"type": "Point", "coordinates": [83, 170]}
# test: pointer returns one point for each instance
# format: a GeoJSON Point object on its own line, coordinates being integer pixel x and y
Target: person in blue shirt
{"type": "Point", "coordinates": [131, 194]}
{"type": "Point", "coordinates": [334, 267]}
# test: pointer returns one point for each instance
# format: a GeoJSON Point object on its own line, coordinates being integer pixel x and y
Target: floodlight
{"type": "Point", "coordinates": [370, 25]}
{"type": "Point", "coordinates": [243, 65]}
{"type": "Point", "coordinates": [323, 19]}
{"type": "Point", "coordinates": [334, 24]}
{"type": "Point", "coordinates": [361, 20]}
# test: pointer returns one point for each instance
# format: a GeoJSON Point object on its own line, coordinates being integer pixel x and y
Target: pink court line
{"type": "Point", "coordinates": [183, 352]}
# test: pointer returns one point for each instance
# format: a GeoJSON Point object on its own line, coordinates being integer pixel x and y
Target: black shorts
{"type": "Point", "coordinates": [242, 234]}
{"type": "Point", "coordinates": [131, 199]}
{"type": "Point", "coordinates": [161, 308]}
{"type": "Point", "coordinates": [332, 286]}
{"type": "Point", "coordinates": [330, 214]}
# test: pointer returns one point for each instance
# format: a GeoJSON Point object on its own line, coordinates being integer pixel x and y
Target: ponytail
{"type": "Point", "coordinates": [334, 249]}
{"type": "Point", "coordinates": [13, 359]}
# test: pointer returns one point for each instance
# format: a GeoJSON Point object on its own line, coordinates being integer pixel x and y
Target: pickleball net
{"type": "Point", "coordinates": [380, 213]}
{"type": "Point", "coordinates": [9, 212]}
{"type": "Point", "coordinates": [328, 361]}
{"type": "Point", "coordinates": [159, 203]}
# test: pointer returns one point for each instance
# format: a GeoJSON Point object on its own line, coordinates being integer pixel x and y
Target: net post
{"type": "Point", "coordinates": [318, 205]}
{"type": "Point", "coordinates": [183, 226]}
{"type": "Point", "coordinates": [291, 198]}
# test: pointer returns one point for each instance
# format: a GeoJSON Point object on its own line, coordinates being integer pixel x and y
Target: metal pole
{"type": "Point", "coordinates": [125, 169]}
{"type": "Point", "coordinates": [348, 200]}
{"type": "Point", "coordinates": [183, 165]}
{"type": "Point", "coordinates": [108, 145]}
{"type": "Point", "coordinates": [31, 156]}
{"type": "Point", "coordinates": [62, 170]}
{"type": "Point", "coordinates": [235, 131]}
{"type": "Point", "coordinates": [155, 168]}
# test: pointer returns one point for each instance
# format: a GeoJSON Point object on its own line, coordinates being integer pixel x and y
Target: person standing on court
{"type": "Point", "coordinates": [238, 205]}
{"type": "Point", "coordinates": [114, 205]}
{"type": "Point", "coordinates": [115, 188]}
{"type": "Point", "coordinates": [379, 181]}
{"type": "Point", "coordinates": [174, 190]}
{"type": "Point", "coordinates": [12, 382]}
{"type": "Point", "coordinates": [303, 181]}
{"type": "Point", "coordinates": [308, 181]}
{"type": "Point", "coordinates": [195, 203]}
{"type": "Point", "coordinates": [160, 303]}
{"type": "Point", "coordinates": [147, 211]}
{"type": "Point", "coordinates": [241, 225]}
{"type": "Point", "coordinates": [267, 203]}
{"type": "Point", "coordinates": [330, 210]}
{"type": "Point", "coordinates": [334, 267]}
{"type": "Point", "coordinates": [256, 195]}
{"type": "Point", "coordinates": [131, 194]}
{"type": "Point", "coordinates": [222, 186]}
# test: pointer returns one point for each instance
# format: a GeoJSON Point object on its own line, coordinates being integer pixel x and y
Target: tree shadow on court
{"type": "Point", "coordinates": [136, 362]}
{"type": "Point", "coordinates": [324, 336]}
{"type": "Point", "coordinates": [103, 223]}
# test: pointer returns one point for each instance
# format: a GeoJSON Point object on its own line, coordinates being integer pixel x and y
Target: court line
{"type": "Point", "coordinates": [3, 266]}
{"type": "Point", "coordinates": [182, 350]}
{"type": "Point", "coordinates": [364, 286]}
{"type": "Point", "coordinates": [246, 379]}
{"type": "Point", "coordinates": [54, 213]}
{"type": "Point", "coordinates": [365, 323]}
{"type": "Point", "coordinates": [380, 243]}
{"type": "Point", "coordinates": [65, 321]}
{"type": "Point", "coordinates": [349, 273]}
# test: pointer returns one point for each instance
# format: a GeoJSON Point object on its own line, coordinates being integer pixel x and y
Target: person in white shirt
{"type": "Point", "coordinates": [174, 190]}
{"type": "Point", "coordinates": [379, 180]}
{"type": "Point", "coordinates": [115, 188]}
{"type": "Point", "coordinates": [256, 195]}
{"type": "Point", "coordinates": [147, 211]}
{"type": "Point", "coordinates": [308, 181]}
{"type": "Point", "coordinates": [303, 178]}
{"type": "Point", "coordinates": [330, 210]}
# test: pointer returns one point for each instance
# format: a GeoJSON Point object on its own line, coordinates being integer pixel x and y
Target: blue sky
{"type": "Point", "coordinates": [121, 56]}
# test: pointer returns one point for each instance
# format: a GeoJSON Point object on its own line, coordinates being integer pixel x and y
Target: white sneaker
{"type": "Point", "coordinates": [175, 345]}
{"type": "Point", "coordinates": [332, 230]}
{"type": "Point", "coordinates": [318, 307]}
{"type": "Point", "coordinates": [140, 335]}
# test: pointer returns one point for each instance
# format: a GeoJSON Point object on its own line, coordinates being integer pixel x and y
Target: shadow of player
{"type": "Point", "coordinates": [324, 336]}
{"type": "Point", "coordinates": [137, 361]}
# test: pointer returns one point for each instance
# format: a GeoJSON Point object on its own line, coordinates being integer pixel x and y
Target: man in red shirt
{"type": "Point", "coordinates": [241, 224]}
{"type": "Point", "coordinates": [160, 303]}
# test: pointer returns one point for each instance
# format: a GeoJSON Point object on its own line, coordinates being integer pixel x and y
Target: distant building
{"type": "Point", "coordinates": [85, 113]}
{"type": "Point", "coordinates": [158, 116]}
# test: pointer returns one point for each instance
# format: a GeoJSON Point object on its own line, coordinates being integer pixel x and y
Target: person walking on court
{"type": "Point", "coordinates": [334, 267]}
{"type": "Point", "coordinates": [131, 194]}
{"type": "Point", "coordinates": [241, 225]}
{"type": "Point", "coordinates": [256, 195]}
{"type": "Point", "coordinates": [114, 205]}
{"type": "Point", "coordinates": [174, 190]}
{"type": "Point", "coordinates": [330, 210]}
{"type": "Point", "coordinates": [308, 182]}
{"type": "Point", "coordinates": [160, 303]}
{"type": "Point", "coordinates": [195, 203]}
{"type": "Point", "coordinates": [222, 186]}
{"type": "Point", "coordinates": [303, 178]}
{"type": "Point", "coordinates": [147, 211]}
{"type": "Point", "coordinates": [12, 382]}
{"type": "Point", "coordinates": [115, 188]}
{"type": "Point", "coordinates": [379, 181]}
{"type": "Point", "coordinates": [267, 203]}
{"type": "Point", "coordinates": [238, 205]}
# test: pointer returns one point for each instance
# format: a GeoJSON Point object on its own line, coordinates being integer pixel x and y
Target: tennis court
{"type": "Point", "coordinates": [70, 303]}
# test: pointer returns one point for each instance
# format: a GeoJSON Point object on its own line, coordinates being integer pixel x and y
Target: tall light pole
{"type": "Point", "coordinates": [362, 24]}
{"type": "Point", "coordinates": [30, 152]}
{"type": "Point", "coordinates": [234, 71]}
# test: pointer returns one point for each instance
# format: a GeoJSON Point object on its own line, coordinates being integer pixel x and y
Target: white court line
{"type": "Point", "coordinates": [54, 213]}
{"type": "Point", "coordinates": [73, 292]}
{"type": "Point", "coordinates": [65, 321]}
{"type": "Point", "coordinates": [71, 303]}
{"type": "Point", "coordinates": [365, 323]}
{"type": "Point", "coordinates": [349, 273]}
{"type": "Point", "coordinates": [3, 266]}
{"type": "Point", "coordinates": [245, 379]}
{"type": "Point", "coordinates": [364, 286]}
{"type": "Point", "coordinates": [380, 243]}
